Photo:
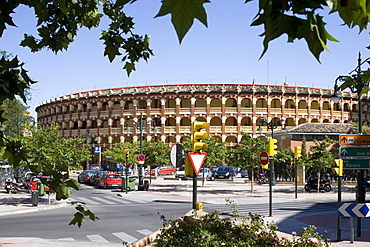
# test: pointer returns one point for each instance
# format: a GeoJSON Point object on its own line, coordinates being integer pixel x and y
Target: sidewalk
{"type": "Point", "coordinates": [213, 193]}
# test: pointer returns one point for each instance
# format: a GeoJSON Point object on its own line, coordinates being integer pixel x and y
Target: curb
{"type": "Point", "coordinates": [33, 209]}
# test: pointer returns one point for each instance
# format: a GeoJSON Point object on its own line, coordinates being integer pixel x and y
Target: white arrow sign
{"type": "Point", "coordinates": [197, 160]}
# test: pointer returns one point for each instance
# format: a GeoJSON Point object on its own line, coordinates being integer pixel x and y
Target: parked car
{"type": "Point", "coordinates": [94, 179]}
{"type": "Point", "coordinates": [35, 180]}
{"type": "Point", "coordinates": [110, 180]}
{"type": "Point", "coordinates": [243, 172]}
{"type": "Point", "coordinates": [208, 174]}
{"type": "Point", "coordinates": [180, 173]}
{"type": "Point", "coordinates": [164, 170]}
{"type": "Point", "coordinates": [225, 172]}
{"type": "Point", "coordinates": [85, 176]}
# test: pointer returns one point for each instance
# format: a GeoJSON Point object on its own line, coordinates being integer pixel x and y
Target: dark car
{"type": "Point", "coordinates": [94, 179]}
{"type": "Point", "coordinates": [85, 176]}
{"type": "Point", "coordinates": [243, 172]}
{"type": "Point", "coordinates": [225, 172]}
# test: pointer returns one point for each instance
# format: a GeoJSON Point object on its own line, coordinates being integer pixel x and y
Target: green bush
{"type": "Point", "coordinates": [210, 231]}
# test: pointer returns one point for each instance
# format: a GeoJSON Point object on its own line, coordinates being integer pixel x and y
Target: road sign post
{"type": "Point", "coordinates": [355, 152]}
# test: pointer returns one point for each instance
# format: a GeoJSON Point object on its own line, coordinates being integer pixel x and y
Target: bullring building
{"type": "Point", "coordinates": [109, 116]}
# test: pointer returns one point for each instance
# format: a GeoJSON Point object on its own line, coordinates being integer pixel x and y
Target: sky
{"type": "Point", "coordinates": [228, 51]}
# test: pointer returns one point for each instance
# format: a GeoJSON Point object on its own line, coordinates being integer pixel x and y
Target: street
{"type": "Point", "coordinates": [128, 217]}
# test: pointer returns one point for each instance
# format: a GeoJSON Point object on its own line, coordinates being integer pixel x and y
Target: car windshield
{"type": "Point", "coordinates": [181, 168]}
{"type": "Point", "coordinates": [113, 176]}
{"type": "Point", "coordinates": [223, 168]}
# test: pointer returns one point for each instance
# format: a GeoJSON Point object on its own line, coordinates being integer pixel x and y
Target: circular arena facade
{"type": "Point", "coordinates": [103, 116]}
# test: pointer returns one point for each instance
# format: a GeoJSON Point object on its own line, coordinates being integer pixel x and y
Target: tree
{"type": "Point", "coordinates": [118, 155]}
{"type": "Point", "coordinates": [247, 154]}
{"type": "Point", "coordinates": [156, 153]}
{"type": "Point", "coordinates": [282, 163]}
{"type": "Point", "coordinates": [320, 158]}
{"type": "Point", "coordinates": [44, 152]}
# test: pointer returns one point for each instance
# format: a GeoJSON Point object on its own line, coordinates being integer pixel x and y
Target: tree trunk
{"type": "Point", "coordinates": [252, 182]}
{"type": "Point", "coordinates": [318, 182]}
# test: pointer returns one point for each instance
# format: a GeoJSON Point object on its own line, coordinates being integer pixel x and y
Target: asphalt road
{"type": "Point", "coordinates": [121, 219]}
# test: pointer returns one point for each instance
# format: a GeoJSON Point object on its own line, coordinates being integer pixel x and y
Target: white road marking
{"type": "Point", "coordinates": [97, 238]}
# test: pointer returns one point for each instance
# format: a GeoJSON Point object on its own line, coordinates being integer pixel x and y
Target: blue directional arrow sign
{"type": "Point", "coordinates": [360, 210]}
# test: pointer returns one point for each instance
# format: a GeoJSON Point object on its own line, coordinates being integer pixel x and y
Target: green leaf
{"type": "Point", "coordinates": [183, 13]}
{"type": "Point", "coordinates": [78, 219]}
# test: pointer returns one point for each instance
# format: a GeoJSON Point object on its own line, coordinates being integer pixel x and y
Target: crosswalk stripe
{"type": "Point", "coordinates": [144, 231]}
{"type": "Point", "coordinates": [117, 199]}
{"type": "Point", "coordinates": [66, 239]}
{"type": "Point", "coordinates": [103, 200]}
{"type": "Point", "coordinates": [84, 199]}
{"type": "Point", "coordinates": [97, 238]}
{"type": "Point", "coordinates": [125, 237]}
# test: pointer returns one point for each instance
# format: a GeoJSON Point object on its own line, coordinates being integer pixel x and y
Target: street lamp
{"type": "Point", "coordinates": [355, 82]}
{"type": "Point", "coordinates": [271, 125]}
{"type": "Point", "coordinates": [140, 125]}
{"type": "Point", "coordinates": [17, 123]}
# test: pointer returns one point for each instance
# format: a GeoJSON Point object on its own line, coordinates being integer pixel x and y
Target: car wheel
{"type": "Point", "coordinates": [105, 186]}
{"type": "Point", "coordinates": [172, 172]}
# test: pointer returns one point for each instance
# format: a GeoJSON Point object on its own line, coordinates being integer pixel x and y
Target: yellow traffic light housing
{"type": "Point", "coordinates": [199, 135]}
{"type": "Point", "coordinates": [265, 166]}
{"type": "Point", "coordinates": [272, 147]}
{"type": "Point", "coordinates": [297, 152]}
{"type": "Point", "coordinates": [338, 168]}
{"type": "Point", "coordinates": [188, 167]}
{"type": "Point", "coordinates": [199, 206]}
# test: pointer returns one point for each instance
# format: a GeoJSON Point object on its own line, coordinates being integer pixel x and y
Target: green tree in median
{"type": "Point", "coordinates": [320, 158]}
{"type": "Point", "coordinates": [247, 154]}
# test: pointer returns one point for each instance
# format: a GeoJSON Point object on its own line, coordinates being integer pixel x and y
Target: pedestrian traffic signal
{"type": "Point", "coordinates": [272, 147]}
{"type": "Point", "coordinates": [297, 152]}
{"type": "Point", "coordinates": [338, 168]}
{"type": "Point", "coordinates": [199, 135]}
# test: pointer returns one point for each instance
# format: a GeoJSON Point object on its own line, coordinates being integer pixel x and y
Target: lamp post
{"type": "Point", "coordinates": [140, 124]}
{"type": "Point", "coordinates": [356, 84]}
{"type": "Point", "coordinates": [16, 122]}
{"type": "Point", "coordinates": [271, 125]}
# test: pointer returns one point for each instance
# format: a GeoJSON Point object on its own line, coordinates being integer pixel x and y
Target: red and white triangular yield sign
{"type": "Point", "coordinates": [197, 160]}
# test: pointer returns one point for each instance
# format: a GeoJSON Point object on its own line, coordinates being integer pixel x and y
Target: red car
{"type": "Point", "coordinates": [35, 180]}
{"type": "Point", "coordinates": [110, 180]}
{"type": "Point", "coordinates": [164, 170]}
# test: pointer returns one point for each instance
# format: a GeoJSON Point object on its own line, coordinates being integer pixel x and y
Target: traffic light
{"type": "Point", "coordinates": [297, 152]}
{"type": "Point", "coordinates": [199, 135]}
{"type": "Point", "coordinates": [265, 166]}
{"type": "Point", "coordinates": [272, 147]}
{"type": "Point", "coordinates": [199, 206]}
{"type": "Point", "coordinates": [338, 168]}
{"type": "Point", "coordinates": [188, 167]}
{"type": "Point", "coordinates": [127, 152]}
